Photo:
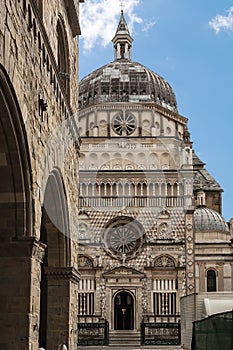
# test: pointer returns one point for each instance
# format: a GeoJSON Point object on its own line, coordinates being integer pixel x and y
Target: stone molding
{"type": "Point", "coordinates": [23, 247]}
{"type": "Point", "coordinates": [134, 107]}
{"type": "Point", "coordinates": [62, 273]}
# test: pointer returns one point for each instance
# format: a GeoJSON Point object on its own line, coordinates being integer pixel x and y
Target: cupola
{"type": "Point", "coordinates": [122, 41]}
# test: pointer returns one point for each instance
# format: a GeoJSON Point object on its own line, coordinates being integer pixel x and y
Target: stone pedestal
{"type": "Point", "coordinates": [62, 297]}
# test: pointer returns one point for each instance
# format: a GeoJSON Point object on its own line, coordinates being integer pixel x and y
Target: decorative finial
{"type": "Point", "coordinates": [122, 8]}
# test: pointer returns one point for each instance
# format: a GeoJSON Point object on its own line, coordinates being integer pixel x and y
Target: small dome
{"type": "Point", "coordinates": [206, 219]}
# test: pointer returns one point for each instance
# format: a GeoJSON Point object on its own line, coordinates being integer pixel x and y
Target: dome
{"type": "Point", "coordinates": [125, 81]}
{"type": "Point", "coordinates": [206, 219]}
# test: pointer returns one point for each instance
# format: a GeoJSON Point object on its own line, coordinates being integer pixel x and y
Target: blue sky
{"type": "Point", "coordinates": [190, 44]}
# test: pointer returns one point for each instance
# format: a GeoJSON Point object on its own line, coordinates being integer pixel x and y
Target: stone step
{"type": "Point", "coordinates": [127, 347]}
{"type": "Point", "coordinates": [124, 338]}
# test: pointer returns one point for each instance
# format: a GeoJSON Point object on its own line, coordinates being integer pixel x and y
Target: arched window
{"type": "Point", "coordinates": [63, 55]}
{"type": "Point", "coordinates": [211, 281]}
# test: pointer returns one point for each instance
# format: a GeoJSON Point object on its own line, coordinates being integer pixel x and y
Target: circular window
{"type": "Point", "coordinates": [124, 124]}
{"type": "Point", "coordinates": [123, 238]}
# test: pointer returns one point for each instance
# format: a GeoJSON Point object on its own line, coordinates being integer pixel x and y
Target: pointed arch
{"type": "Point", "coordinates": [15, 189]}
{"type": "Point", "coordinates": [55, 235]}
{"type": "Point", "coordinates": [55, 221]}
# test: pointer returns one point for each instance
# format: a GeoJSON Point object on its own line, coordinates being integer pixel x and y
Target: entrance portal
{"type": "Point", "coordinates": [123, 311]}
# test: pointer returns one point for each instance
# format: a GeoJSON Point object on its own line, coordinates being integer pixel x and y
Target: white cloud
{"type": "Point", "coordinates": [99, 19]}
{"type": "Point", "coordinates": [148, 25]}
{"type": "Point", "coordinates": [223, 22]}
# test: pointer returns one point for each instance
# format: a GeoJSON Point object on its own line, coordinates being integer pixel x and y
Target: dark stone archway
{"type": "Point", "coordinates": [20, 252]}
{"type": "Point", "coordinates": [57, 276]}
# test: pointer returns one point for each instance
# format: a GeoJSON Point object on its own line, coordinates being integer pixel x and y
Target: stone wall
{"type": "Point", "coordinates": [39, 138]}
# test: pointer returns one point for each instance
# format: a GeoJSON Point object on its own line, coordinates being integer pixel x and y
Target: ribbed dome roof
{"type": "Point", "coordinates": [206, 219]}
{"type": "Point", "coordinates": [125, 81]}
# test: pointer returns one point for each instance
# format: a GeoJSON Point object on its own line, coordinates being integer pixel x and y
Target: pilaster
{"type": "Point", "coordinates": [190, 260]}
{"type": "Point", "coordinates": [20, 268]}
{"type": "Point", "coordinates": [62, 284]}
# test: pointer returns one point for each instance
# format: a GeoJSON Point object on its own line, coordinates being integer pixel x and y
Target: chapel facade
{"type": "Point", "coordinates": [150, 225]}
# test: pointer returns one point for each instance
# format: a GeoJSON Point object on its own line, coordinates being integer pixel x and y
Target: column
{"type": "Point", "coordinates": [62, 306]}
{"type": "Point", "coordinates": [20, 269]}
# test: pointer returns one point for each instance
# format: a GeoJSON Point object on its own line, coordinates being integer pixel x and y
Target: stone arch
{"type": "Point", "coordinates": [16, 201]}
{"type": "Point", "coordinates": [85, 261]}
{"type": "Point", "coordinates": [55, 235]}
{"type": "Point", "coordinates": [166, 261]}
{"type": "Point", "coordinates": [20, 253]}
{"type": "Point", "coordinates": [154, 161]}
{"type": "Point", "coordinates": [105, 161]}
{"type": "Point", "coordinates": [93, 161]}
{"type": "Point", "coordinates": [165, 160]}
{"type": "Point", "coordinates": [142, 160]}
{"type": "Point", "coordinates": [55, 221]}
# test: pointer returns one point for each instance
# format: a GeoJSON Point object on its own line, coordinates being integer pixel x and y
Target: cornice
{"type": "Point", "coordinates": [27, 247]}
{"type": "Point", "coordinates": [62, 273]}
{"type": "Point", "coordinates": [134, 106]}
{"type": "Point", "coordinates": [73, 17]}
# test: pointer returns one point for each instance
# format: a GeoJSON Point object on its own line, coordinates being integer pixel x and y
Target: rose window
{"type": "Point", "coordinates": [124, 124]}
{"type": "Point", "coordinates": [123, 238]}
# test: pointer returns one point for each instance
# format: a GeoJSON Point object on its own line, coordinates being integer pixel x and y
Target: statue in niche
{"type": "Point", "coordinates": [82, 230]}
{"type": "Point", "coordinates": [163, 231]}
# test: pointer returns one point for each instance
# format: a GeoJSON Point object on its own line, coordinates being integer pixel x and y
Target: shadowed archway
{"type": "Point", "coordinates": [15, 185]}
{"type": "Point", "coordinates": [18, 246]}
{"type": "Point", "coordinates": [55, 235]}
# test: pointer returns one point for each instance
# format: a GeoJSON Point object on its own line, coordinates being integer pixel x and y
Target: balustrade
{"type": "Point", "coordinates": [127, 201]}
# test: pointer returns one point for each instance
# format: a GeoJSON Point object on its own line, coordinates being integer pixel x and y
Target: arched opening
{"type": "Point", "coordinates": [16, 202]}
{"type": "Point", "coordinates": [16, 247]}
{"type": "Point", "coordinates": [123, 311]}
{"type": "Point", "coordinates": [211, 281]}
{"type": "Point", "coordinates": [55, 235]}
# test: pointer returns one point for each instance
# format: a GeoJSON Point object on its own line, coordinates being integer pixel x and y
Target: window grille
{"type": "Point", "coordinates": [86, 297]}
{"type": "Point", "coordinates": [164, 297]}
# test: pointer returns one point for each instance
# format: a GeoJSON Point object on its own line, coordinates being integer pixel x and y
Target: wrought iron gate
{"type": "Point", "coordinates": [93, 333]}
{"type": "Point", "coordinates": [160, 333]}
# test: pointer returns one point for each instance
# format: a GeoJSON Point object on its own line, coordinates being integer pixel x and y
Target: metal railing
{"type": "Point", "coordinates": [93, 331]}
{"type": "Point", "coordinates": [161, 330]}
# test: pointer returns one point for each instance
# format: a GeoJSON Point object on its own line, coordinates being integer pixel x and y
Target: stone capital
{"type": "Point", "coordinates": [29, 247]}
{"type": "Point", "coordinates": [62, 273]}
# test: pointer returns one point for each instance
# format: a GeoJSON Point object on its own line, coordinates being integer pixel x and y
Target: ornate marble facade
{"type": "Point", "coordinates": [143, 233]}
